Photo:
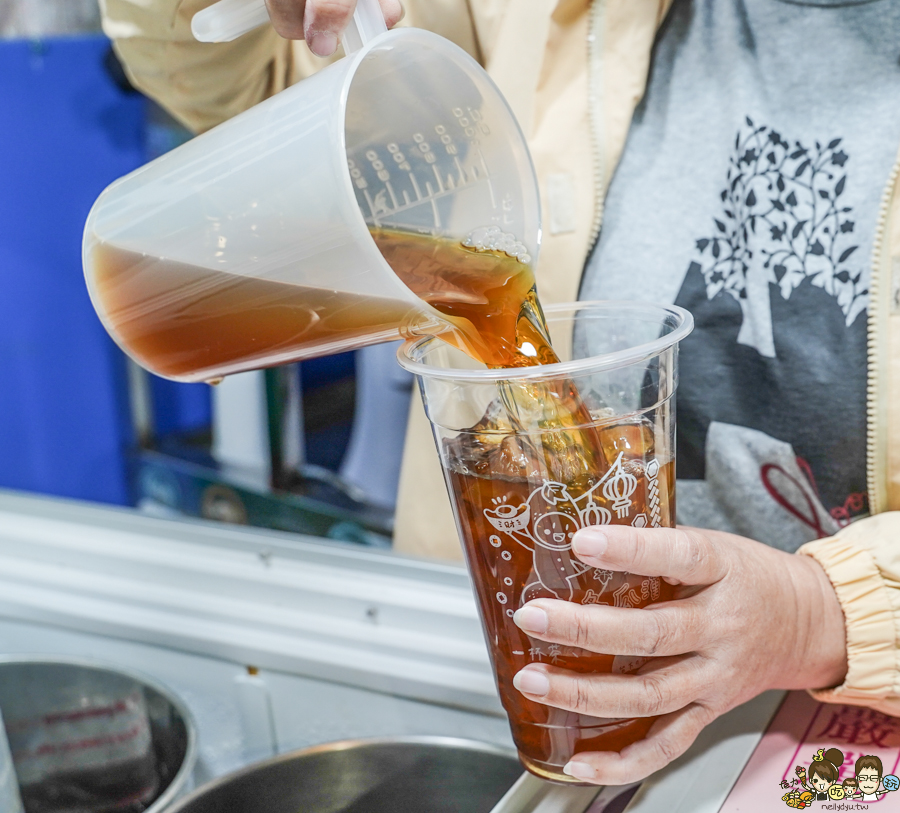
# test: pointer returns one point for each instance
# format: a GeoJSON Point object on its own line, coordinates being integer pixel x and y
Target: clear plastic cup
{"type": "Point", "coordinates": [251, 245]}
{"type": "Point", "coordinates": [533, 454]}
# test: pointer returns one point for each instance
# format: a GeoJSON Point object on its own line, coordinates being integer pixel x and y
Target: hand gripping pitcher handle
{"type": "Point", "coordinates": [229, 19]}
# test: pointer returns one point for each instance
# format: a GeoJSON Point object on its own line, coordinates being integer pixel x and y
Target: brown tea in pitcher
{"type": "Point", "coordinates": [183, 321]}
{"type": "Point", "coordinates": [186, 322]}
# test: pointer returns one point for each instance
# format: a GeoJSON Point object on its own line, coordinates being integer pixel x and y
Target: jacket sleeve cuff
{"type": "Point", "coordinates": [867, 596]}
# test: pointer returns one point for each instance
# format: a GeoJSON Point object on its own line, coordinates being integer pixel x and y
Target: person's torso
{"type": "Point", "coordinates": [749, 193]}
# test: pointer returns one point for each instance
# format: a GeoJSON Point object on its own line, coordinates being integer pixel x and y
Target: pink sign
{"type": "Point", "coordinates": [829, 757]}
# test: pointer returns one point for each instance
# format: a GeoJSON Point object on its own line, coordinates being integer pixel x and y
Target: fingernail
{"type": "Point", "coordinates": [531, 681]}
{"type": "Point", "coordinates": [531, 619]}
{"type": "Point", "coordinates": [590, 542]}
{"type": "Point", "coordinates": [579, 770]}
{"type": "Point", "coordinates": [321, 43]}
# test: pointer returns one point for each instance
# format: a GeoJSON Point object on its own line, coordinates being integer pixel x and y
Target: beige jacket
{"type": "Point", "coordinates": [573, 72]}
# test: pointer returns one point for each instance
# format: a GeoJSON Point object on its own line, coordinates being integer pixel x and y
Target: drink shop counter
{"type": "Point", "coordinates": [276, 642]}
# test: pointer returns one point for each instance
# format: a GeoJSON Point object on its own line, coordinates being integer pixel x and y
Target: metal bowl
{"type": "Point", "coordinates": [397, 775]}
{"type": "Point", "coordinates": [36, 689]}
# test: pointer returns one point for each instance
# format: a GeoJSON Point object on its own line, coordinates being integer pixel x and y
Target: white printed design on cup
{"type": "Point", "coordinates": [546, 522]}
{"type": "Point", "coordinates": [652, 472]}
{"type": "Point", "coordinates": [628, 596]}
{"type": "Point", "coordinates": [619, 488]}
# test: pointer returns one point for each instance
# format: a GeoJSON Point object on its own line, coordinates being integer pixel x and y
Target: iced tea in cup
{"type": "Point", "coordinates": [532, 454]}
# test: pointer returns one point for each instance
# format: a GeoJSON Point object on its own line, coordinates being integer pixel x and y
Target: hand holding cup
{"type": "Point", "coordinates": [746, 618]}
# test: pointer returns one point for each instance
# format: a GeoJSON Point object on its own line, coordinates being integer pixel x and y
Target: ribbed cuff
{"type": "Point", "coordinates": [871, 628]}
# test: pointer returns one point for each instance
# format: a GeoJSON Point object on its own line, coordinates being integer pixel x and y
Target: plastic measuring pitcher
{"type": "Point", "coordinates": [252, 245]}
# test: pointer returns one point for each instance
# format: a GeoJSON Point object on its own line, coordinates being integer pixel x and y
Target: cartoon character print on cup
{"type": "Point", "coordinates": [547, 521]}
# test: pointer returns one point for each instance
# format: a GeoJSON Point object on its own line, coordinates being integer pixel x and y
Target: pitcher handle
{"type": "Point", "coordinates": [367, 23]}
{"type": "Point", "coordinates": [226, 20]}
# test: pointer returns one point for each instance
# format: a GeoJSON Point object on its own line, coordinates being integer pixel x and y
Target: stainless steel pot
{"type": "Point", "coordinates": [131, 732]}
{"type": "Point", "coordinates": [401, 775]}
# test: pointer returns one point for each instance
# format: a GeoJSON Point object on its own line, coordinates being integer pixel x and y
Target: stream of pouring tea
{"type": "Point", "coordinates": [184, 321]}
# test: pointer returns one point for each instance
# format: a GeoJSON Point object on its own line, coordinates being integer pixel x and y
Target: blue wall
{"type": "Point", "coordinates": [65, 132]}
